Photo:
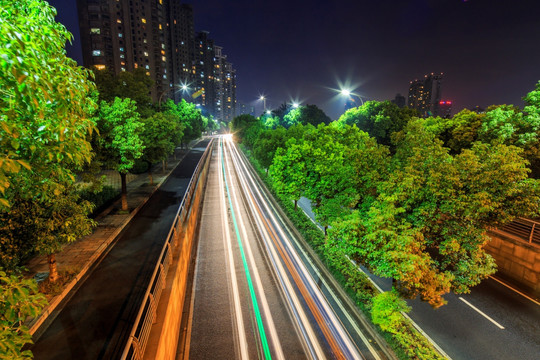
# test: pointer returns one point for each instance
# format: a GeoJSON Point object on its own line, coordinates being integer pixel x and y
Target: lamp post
{"type": "Point", "coordinates": [347, 93]}
{"type": "Point", "coordinates": [263, 99]}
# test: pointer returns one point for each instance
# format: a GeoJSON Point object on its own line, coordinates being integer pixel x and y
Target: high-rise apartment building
{"type": "Point", "coordinates": [425, 94]}
{"type": "Point", "coordinates": [182, 38]}
{"type": "Point", "coordinates": [158, 36]}
{"type": "Point", "coordinates": [122, 35]}
{"type": "Point", "coordinates": [225, 85]}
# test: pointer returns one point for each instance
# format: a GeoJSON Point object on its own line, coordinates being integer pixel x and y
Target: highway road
{"type": "Point", "coordinates": [493, 322]}
{"type": "Point", "coordinates": [258, 292]}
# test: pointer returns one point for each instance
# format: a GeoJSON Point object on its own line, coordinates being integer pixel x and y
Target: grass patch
{"type": "Point", "coordinates": [50, 289]}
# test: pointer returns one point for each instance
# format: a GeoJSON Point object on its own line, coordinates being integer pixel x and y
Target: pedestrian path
{"type": "Point", "coordinates": [79, 256]}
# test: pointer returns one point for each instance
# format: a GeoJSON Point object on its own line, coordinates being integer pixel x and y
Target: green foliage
{"type": "Point", "coordinates": [99, 198]}
{"type": "Point", "coordinates": [288, 171]}
{"type": "Point", "coordinates": [242, 123]}
{"type": "Point", "coordinates": [160, 135]}
{"type": "Point", "coordinates": [19, 299]}
{"type": "Point", "coordinates": [426, 229]}
{"type": "Point", "coordinates": [119, 142]}
{"type": "Point", "coordinates": [135, 85]}
{"type": "Point", "coordinates": [379, 119]}
{"type": "Point", "coordinates": [386, 311]}
{"type": "Point", "coordinates": [45, 103]}
{"type": "Point", "coordinates": [189, 118]}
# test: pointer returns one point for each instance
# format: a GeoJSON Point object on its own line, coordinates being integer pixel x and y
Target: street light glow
{"type": "Point", "coordinates": [261, 98]}
{"type": "Point", "coordinates": [345, 92]}
{"type": "Point", "coordinates": [268, 112]}
{"type": "Point", "coordinates": [295, 105]}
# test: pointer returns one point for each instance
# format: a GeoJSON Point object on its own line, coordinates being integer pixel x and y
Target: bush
{"type": "Point", "coordinates": [100, 199]}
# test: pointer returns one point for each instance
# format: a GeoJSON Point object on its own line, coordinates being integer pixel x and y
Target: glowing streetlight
{"type": "Point", "coordinates": [268, 112]}
{"type": "Point", "coordinates": [345, 92]}
{"type": "Point", "coordinates": [295, 105]}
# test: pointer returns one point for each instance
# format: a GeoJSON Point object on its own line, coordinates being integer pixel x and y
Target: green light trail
{"type": "Point", "coordinates": [260, 326]}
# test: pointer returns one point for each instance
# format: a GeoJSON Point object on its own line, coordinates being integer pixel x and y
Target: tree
{"type": "Point", "coordinates": [189, 116]}
{"type": "Point", "coordinates": [240, 125]}
{"type": "Point", "coordinates": [135, 85]}
{"type": "Point", "coordinates": [427, 227]}
{"type": "Point", "coordinates": [311, 114]}
{"type": "Point", "coordinates": [267, 144]}
{"type": "Point", "coordinates": [45, 104]}
{"type": "Point", "coordinates": [379, 119]}
{"type": "Point", "coordinates": [119, 144]}
{"type": "Point", "coordinates": [19, 299]}
{"type": "Point", "coordinates": [161, 133]}
{"type": "Point", "coordinates": [288, 171]}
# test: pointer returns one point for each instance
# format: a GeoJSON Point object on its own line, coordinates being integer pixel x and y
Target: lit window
{"type": "Point", "coordinates": [118, 21]}
{"type": "Point", "coordinates": [174, 21]}
{"type": "Point", "coordinates": [122, 56]}
{"type": "Point", "coordinates": [122, 63]}
{"type": "Point", "coordinates": [123, 69]}
{"type": "Point", "coordinates": [147, 66]}
{"type": "Point", "coordinates": [164, 76]}
{"type": "Point", "coordinates": [143, 20]}
{"type": "Point", "coordinates": [145, 53]}
{"type": "Point", "coordinates": [135, 65]}
{"type": "Point", "coordinates": [95, 31]}
{"type": "Point", "coordinates": [121, 49]}
{"type": "Point", "coordinates": [145, 41]}
{"type": "Point", "coordinates": [160, 27]}
{"type": "Point", "coordinates": [96, 53]}
{"type": "Point", "coordinates": [163, 58]}
{"type": "Point", "coordinates": [100, 66]}
{"type": "Point", "coordinates": [148, 73]}
{"type": "Point", "coordinates": [120, 35]}
{"type": "Point", "coordinates": [163, 46]}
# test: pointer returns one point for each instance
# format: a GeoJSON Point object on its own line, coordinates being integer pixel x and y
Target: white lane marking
{"type": "Point", "coordinates": [334, 320]}
{"type": "Point", "coordinates": [262, 296]}
{"type": "Point", "coordinates": [481, 313]}
{"type": "Point", "coordinates": [516, 290]}
{"type": "Point", "coordinates": [244, 354]}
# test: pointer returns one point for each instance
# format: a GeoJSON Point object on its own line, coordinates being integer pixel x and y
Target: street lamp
{"type": "Point", "coordinates": [182, 87]}
{"type": "Point", "coordinates": [263, 99]}
{"type": "Point", "coordinates": [347, 93]}
{"type": "Point", "coordinates": [295, 105]}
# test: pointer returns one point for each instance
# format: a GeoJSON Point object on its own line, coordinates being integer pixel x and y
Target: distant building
{"type": "Point", "coordinates": [445, 109]}
{"type": "Point", "coordinates": [399, 100]}
{"type": "Point", "coordinates": [159, 36]}
{"type": "Point", "coordinates": [225, 85]}
{"type": "Point", "coordinates": [425, 95]}
{"type": "Point", "coordinates": [182, 42]}
{"type": "Point", "coordinates": [124, 35]}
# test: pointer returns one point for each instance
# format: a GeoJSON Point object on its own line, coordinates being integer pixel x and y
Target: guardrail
{"type": "Point", "coordinates": [526, 229]}
{"type": "Point", "coordinates": [184, 219]}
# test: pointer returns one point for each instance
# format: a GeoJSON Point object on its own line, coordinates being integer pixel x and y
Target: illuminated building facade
{"type": "Point", "coordinates": [158, 36]}
{"type": "Point", "coordinates": [425, 95]}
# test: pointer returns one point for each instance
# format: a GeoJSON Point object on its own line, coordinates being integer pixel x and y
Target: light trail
{"type": "Point", "coordinates": [264, 302]}
{"type": "Point", "coordinates": [241, 333]}
{"type": "Point", "coordinates": [331, 326]}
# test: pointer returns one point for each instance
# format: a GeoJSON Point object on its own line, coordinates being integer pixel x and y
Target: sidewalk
{"type": "Point", "coordinates": [80, 255]}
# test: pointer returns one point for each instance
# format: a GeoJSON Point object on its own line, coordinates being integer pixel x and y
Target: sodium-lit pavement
{"type": "Point", "coordinates": [493, 322]}
{"type": "Point", "coordinates": [257, 293]}
{"type": "Point", "coordinates": [96, 321]}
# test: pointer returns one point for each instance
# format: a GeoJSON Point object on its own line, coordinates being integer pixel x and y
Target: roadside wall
{"type": "Point", "coordinates": [517, 260]}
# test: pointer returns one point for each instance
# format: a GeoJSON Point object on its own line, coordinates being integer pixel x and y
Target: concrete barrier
{"type": "Point", "coordinates": [517, 260]}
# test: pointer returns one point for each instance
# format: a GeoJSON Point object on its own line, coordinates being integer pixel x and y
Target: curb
{"type": "Point", "coordinates": [50, 312]}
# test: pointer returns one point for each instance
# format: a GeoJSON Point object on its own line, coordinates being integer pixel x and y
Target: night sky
{"type": "Point", "coordinates": [488, 50]}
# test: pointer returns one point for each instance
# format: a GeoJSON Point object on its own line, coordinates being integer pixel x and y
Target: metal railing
{"type": "Point", "coordinates": [526, 229]}
{"type": "Point", "coordinates": [138, 338]}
